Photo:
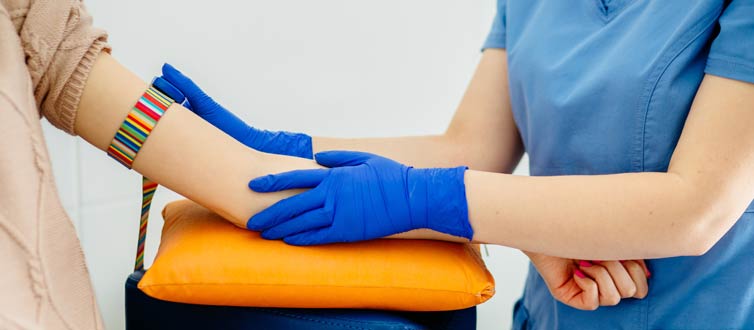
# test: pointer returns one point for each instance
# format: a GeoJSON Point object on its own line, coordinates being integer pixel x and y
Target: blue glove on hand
{"type": "Point", "coordinates": [361, 197]}
{"type": "Point", "coordinates": [281, 143]}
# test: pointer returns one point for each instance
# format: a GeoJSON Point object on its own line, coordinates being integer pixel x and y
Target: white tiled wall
{"type": "Point", "coordinates": [332, 67]}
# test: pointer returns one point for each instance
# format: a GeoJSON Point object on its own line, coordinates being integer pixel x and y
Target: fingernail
{"type": "Point", "coordinates": [584, 263]}
{"type": "Point", "coordinates": [649, 274]}
{"type": "Point", "coordinates": [579, 273]}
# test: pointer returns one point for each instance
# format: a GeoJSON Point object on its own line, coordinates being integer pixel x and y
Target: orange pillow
{"type": "Point", "coordinates": [204, 259]}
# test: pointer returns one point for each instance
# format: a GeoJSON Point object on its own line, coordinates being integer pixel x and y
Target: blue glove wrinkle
{"type": "Point", "coordinates": [281, 142]}
{"type": "Point", "coordinates": [449, 218]}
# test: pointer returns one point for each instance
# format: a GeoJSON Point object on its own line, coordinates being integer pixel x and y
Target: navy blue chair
{"type": "Point", "coordinates": [144, 312]}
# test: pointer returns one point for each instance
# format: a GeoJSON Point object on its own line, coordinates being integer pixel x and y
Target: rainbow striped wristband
{"type": "Point", "coordinates": [127, 142]}
{"type": "Point", "coordinates": [140, 121]}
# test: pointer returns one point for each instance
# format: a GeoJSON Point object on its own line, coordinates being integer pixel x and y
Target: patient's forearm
{"type": "Point", "coordinates": [183, 153]}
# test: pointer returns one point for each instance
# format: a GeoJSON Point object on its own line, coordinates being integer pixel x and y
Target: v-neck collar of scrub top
{"type": "Point", "coordinates": [610, 8]}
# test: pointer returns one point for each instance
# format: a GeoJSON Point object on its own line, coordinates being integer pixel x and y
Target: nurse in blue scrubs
{"type": "Point", "coordinates": [638, 119]}
{"type": "Point", "coordinates": [600, 87]}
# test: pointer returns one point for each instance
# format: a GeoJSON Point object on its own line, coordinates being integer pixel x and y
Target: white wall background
{"type": "Point", "coordinates": [348, 68]}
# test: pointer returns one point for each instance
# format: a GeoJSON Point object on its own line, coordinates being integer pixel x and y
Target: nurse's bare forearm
{"type": "Point", "coordinates": [420, 151]}
{"type": "Point", "coordinates": [482, 134]}
{"type": "Point", "coordinates": [686, 211]}
{"type": "Point", "coordinates": [606, 217]}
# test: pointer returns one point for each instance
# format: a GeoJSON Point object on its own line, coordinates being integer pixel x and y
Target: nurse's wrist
{"type": "Point", "coordinates": [438, 200]}
{"type": "Point", "coordinates": [533, 256]}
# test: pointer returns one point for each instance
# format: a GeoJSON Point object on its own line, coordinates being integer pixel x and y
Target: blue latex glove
{"type": "Point", "coordinates": [281, 143]}
{"type": "Point", "coordinates": [362, 196]}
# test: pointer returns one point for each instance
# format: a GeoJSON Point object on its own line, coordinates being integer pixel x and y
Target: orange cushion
{"type": "Point", "coordinates": [204, 259]}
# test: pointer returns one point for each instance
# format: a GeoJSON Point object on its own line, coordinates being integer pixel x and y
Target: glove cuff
{"type": "Point", "coordinates": [437, 199]}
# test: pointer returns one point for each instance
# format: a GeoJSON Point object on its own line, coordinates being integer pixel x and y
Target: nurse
{"type": "Point", "coordinates": [637, 118]}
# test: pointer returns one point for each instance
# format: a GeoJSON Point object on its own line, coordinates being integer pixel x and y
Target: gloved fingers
{"type": "Point", "coordinates": [337, 158]}
{"type": "Point", "coordinates": [192, 91]}
{"type": "Point", "coordinates": [168, 89]}
{"type": "Point", "coordinates": [311, 220]}
{"type": "Point", "coordinates": [286, 209]}
{"type": "Point", "coordinates": [289, 180]}
{"type": "Point", "coordinates": [204, 106]}
{"type": "Point", "coordinates": [312, 237]}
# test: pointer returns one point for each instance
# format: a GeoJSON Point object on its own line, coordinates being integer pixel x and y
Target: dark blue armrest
{"type": "Point", "coordinates": [144, 312]}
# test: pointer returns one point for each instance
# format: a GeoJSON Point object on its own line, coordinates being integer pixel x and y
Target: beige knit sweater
{"type": "Point", "coordinates": [47, 48]}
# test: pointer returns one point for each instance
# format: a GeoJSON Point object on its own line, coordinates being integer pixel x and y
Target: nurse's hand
{"type": "Point", "coordinates": [587, 285]}
{"type": "Point", "coordinates": [281, 143]}
{"type": "Point", "coordinates": [362, 196]}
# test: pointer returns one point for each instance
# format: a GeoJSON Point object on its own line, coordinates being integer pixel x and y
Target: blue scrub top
{"type": "Point", "coordinates": [604, 86]}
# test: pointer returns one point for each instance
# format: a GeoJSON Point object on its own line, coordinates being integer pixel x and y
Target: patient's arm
{"type": "Point", "coordinates": [185, 153]}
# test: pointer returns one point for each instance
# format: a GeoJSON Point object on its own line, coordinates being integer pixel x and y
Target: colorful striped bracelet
{"type": "Point", "coordinates": [138, 124]}
{"type": "Point", "coordinates": [126, 144]}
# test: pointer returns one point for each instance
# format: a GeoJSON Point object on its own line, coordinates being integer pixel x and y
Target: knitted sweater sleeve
{"type": "Point", "coordinates": [60, 45]}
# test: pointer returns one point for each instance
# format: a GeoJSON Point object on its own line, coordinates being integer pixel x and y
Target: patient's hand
{"type": "Point", "coordinates": [603, 283]}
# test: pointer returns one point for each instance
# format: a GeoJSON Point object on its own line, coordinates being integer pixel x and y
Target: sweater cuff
{"type": "Point", "coordinates": [68, 102]}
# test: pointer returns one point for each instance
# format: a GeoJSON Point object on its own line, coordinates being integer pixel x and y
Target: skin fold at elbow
{"type": "Point", "coordinates": [710, 222]}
